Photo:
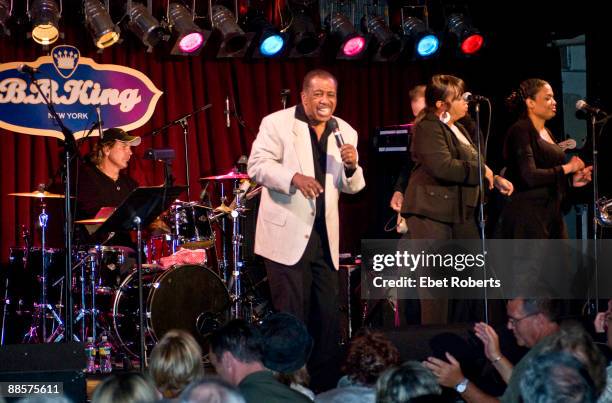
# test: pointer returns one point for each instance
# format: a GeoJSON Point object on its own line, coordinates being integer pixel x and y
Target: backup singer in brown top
{"type": "Point", "coordinates": [536, 165]}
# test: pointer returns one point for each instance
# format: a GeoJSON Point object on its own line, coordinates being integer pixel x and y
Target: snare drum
{"type": "Point", "coordinates": [189, 297]}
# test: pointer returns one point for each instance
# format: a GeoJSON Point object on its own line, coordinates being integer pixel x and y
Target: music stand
{"type": "Point", "coordinates": [140, 208]}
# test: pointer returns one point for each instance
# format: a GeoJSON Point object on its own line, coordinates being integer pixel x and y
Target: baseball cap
{"type": "Point", "coordinates": [115, 133]}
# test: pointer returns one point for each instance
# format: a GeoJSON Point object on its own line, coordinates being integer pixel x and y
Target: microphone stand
{"type": "Point", "coordinates": [594, 134]}
{"type": "Point", "coordinates": [69, 149]}
{"type": "Point", "coordinates": [481, 216]}
{"type": "Point", "coordinates": [182, 121]}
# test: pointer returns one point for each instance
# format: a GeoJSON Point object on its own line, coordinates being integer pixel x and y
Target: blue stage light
{"type": "Point", "coordinates": [428, 45]}
{"type": "Point", "coordinates": [271, 45]}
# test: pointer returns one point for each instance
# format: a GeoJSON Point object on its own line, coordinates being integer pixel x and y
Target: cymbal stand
{"type": "Point", "coordinates": [223, 263]}
{"type": "Point", "coordinates": [237, 239]}
{"type": "Point", "coordinates": [44, 306]}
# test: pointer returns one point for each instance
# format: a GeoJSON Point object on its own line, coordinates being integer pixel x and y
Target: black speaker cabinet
{"type": "Point", "coordinates": [44, 363]}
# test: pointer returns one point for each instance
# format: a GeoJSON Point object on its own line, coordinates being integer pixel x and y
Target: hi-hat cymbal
{"type": "Point", "coordinates": [228, 176]}
{"type": "Point", "coordinates": [38, 195]}
{"type": "Point", "coordinates": [91, 221]}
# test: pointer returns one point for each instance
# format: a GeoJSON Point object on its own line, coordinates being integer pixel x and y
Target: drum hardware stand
{"type": "Point", "coordinates": [90, 261]}
{"type": "Point", "coordinates": [25, 235]}
{"type": "Point", "coordinates": [141, 314]}
{"type": "Point", "coordinates": [42, 308]}
{"type": "Point", "coordinates": [5, 308]}
{"type": "Point", "coordinates": [223, 263]}
{"type": "Point", "coordinates": [237, 239]}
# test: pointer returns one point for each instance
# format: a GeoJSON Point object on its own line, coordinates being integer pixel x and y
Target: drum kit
{"type": "Point", "coordinates": [186, 283]}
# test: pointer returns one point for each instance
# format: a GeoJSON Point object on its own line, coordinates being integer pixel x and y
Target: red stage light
{"type": "Point", "coordinates": [472, 44]}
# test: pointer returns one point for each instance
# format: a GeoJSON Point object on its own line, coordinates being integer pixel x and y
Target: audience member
{"type": "Point", "coordinates": [533, 323]}
{"type": "Point", "coordinates": [556, 377]}
{"type": "Point", "coordinates": [211, 390]}
{"type": "Point", "coordinates": [286, 348]}
{"type": "Point", "coordinates": [176, 361]}
{"type": "Point", "coordinates": [370, 354]}
{"type": "Point", "coordinates": [236, 354]}
{"type": "Point", "coordinates": [125, 388]}
{"type": "Point", "coordinates": [408, 382]}
{"type": "Point", "coordinates": [574, 340]}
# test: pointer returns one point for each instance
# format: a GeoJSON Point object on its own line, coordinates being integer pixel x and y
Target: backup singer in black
{"type": "Point", "coordinates": [536, 165]}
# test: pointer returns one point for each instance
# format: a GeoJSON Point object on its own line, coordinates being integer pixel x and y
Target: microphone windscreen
{"type": "Point", "coordinates": [333, 124]}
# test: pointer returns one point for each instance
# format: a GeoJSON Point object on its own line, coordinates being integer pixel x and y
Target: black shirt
{"type": "Point", "coordinates": [96, 190]}
{"type": "Point", "coordinates": [319, 156]}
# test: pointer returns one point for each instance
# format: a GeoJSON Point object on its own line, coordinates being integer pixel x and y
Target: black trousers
{"type": "Point", "coordinates": [309, 290]}
{"type": "Point", "coordinates": [435, 311]}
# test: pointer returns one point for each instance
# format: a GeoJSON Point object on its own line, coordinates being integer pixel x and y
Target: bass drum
{"type": "Point", "coordinates": [189, 297]}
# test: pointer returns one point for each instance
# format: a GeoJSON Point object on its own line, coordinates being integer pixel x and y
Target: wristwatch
{"type": "Point", "coordinates": [462, 386]}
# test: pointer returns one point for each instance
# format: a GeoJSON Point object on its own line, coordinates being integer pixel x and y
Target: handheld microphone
{"type": "Point", "coordinates": [284, 93]}
{"type": "Point", "coordinates": [100, 123]}
{"type": "Point", "coordinates": [333, 125]}
{"type": "Point", "coordinates": [469, 97]}
{"type": "Point", "coordinates": [581, 105]}
{"type": "Point", "coordinates": [24, 68]}
{"type": "Point", "coordinates": [227, 112]}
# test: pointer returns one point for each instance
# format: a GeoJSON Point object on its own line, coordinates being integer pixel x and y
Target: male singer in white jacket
{"type": "Point", "coordinates": [304, 157]}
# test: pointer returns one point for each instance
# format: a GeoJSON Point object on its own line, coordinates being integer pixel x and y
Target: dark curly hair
{"type": "Point", "coordinates": [370, 354]}
{"type": "Point", "coordinates": [528, 89]}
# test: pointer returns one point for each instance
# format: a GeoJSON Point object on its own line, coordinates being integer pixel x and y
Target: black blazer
{"type": "Point", "coordinates": [444, 182]}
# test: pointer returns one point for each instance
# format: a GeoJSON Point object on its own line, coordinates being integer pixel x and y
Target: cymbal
{"type": "Point", "coordinates": [228, 176]}
{"type": "Point", "coordinates": [38, 195]}
{"type": "Point", "coordinates": [91, 221]}
{"type": "Point", "coordinates": [198, 244]}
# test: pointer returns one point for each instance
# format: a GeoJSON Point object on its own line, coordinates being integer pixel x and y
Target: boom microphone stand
{"type": "Point", "coordinates": [182, 121]}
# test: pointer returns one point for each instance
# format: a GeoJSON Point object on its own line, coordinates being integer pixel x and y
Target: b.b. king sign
{"type": "Point", "coordinates": [75, 85]}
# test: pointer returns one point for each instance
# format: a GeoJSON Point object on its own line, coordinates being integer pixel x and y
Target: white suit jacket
{"type": "Point", "coordinates": [282, 148]}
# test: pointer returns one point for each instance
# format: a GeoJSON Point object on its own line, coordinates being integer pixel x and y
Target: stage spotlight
{"type": "Point", "coordinates": [5, 14]}
{"type": "Point", "coordinates": [190, 40]}
{"type": "Point", "coordinates": [389, 45]}
{"type": "Point", "coordinates": [270, 41]}
{"type": "Point", "coordinates": [469, 39]}
{"type": "Point", "coordinates": [422, 40]}
{"type": "Point", "coordinates": [146, 27]}
{"type": "Point", "coordinates": [233, 38]}
{"type": "Point", "coordinates": [44, 15]}
{"type": "Point", "coordinates": [101, 26]}
{"type": "Point", "coordinates": [352, 45]}
{"type": "Point", "coordinates": [271, 45]}
{"type": "Point", "coordinates": [304, 35]}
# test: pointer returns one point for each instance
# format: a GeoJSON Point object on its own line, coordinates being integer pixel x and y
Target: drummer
{"type": "Point", "coordinates": [103, 183]}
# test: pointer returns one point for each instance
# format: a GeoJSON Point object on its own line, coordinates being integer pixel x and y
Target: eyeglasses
{"type": "Point", "coordinates": [515, 321]}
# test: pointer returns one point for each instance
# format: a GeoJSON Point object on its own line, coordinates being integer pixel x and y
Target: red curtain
{"type": "Point", "coordinates": [370, 95]}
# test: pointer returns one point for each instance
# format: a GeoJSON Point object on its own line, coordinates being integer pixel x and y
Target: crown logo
{"type": "Point", "coordinates": [66, 59]}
